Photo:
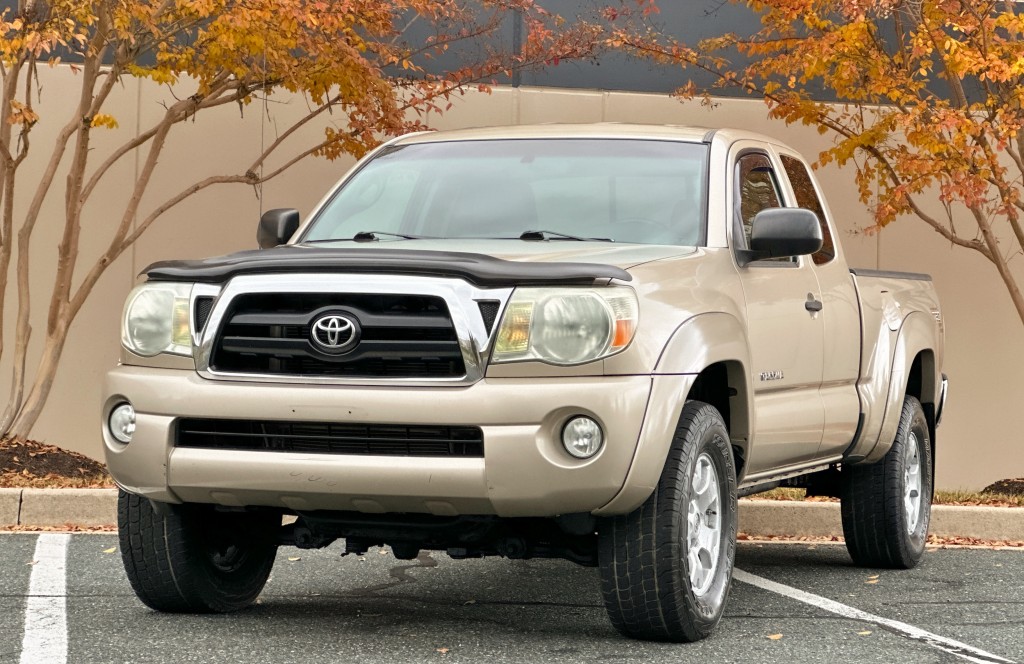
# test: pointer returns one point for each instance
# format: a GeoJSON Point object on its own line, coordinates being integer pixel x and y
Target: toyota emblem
{"type": "Point", "coordinates": [334, 333]}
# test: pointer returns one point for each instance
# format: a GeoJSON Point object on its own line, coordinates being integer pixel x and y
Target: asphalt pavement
{"type": "Point", "coordinates": [795, 603]}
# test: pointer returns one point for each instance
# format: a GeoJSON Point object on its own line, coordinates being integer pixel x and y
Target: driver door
{"type": "Point", "coordinates": [785, 331]}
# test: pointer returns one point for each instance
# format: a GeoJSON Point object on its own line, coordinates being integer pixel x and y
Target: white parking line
{"type": "Point", "coordinates": [961, 650]}
{"type": "Point", "coordinates": [46, 625]}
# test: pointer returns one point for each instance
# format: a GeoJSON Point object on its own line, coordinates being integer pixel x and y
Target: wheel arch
{"type": "Point", "coordinates": [914, 373]}
{"type": "Point", "coordinates": [706, 359]}
{"type": "Point", "coordinates": [714, 347]}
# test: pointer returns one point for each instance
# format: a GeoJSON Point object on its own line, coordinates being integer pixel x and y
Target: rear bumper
{"type": "Point", "coordinates": [941, 406]}
{"type": "Point", "coordinates": [524, 470]}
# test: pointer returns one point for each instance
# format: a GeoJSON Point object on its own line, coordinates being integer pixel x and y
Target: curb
{"type": "Point", "coordinates": [766, 518]}
{"type": "Point", "coordinates": [58, 507]}
{"type": "Point", "coordinates": [811, 519]}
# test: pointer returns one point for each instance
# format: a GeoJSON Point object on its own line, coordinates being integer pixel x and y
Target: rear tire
{"type": "Point", "coordinates": [194, 559]}
{"type": "Point", "coordinates": [886, 506]}
{"type": "Point", "coordinates": [666, 567]}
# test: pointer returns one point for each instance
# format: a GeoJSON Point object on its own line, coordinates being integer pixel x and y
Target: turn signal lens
{"type": "Point", "coordinates": [624, 331]}
{"type": "Point", "coordinates": [181, 334]}
{"type": "Point", "coordinates": [514, 335]}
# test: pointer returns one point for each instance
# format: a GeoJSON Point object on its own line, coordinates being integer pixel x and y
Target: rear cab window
{"type": "Point", "coordinates": [807, 198]}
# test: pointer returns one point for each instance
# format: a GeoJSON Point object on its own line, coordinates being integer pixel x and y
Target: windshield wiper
{"type": "Point", "coordinates": [373, 236]}
{"type": "Point", "coordinates": [538, 236]}
{"type": "Point", "coordinates": [369, 236]}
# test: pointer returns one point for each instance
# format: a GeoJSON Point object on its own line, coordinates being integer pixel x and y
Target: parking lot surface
{"type": "Point", "coordinates": [66, 596]}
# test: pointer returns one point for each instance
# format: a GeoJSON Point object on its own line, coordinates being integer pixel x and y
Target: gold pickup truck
{"type": "Point", "coordinates": [561, 341]}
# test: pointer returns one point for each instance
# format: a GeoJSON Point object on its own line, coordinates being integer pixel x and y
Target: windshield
{"type": "Point", "coordinates": [649, 192]}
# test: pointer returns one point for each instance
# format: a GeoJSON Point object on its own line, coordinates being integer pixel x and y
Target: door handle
{"type": "Point", "coordinates": [813, 305]}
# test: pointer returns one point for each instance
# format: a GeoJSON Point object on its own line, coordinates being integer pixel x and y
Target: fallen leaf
{"type": "Point", "coordinates": [774, 637]}
{"type": "Point", "coordinates": [472, 601]}
{"type": "Point", "coordinates": [294, 558]}
{"type": "Point", "coordinates": [110, 550]}
{"type": "Point", "coordinates": [875, 576]}
{"type": "Point", "coordinates": [443, 651]}
{"type": "Point", "coordinates": [31, 562]}
{"type": "Point", "coordinates": [871, 581]}
{"type": "Point", "coordinates": [864, 633]}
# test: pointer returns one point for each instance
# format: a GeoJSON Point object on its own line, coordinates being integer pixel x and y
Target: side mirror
{"type": "Point", "coordinates": [276, 227]}
{"type": "Point", "coordinates": [783, 232]}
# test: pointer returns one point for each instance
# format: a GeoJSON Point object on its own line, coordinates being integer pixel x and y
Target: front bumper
{"type": "Point", "coordinates": [524, 471]}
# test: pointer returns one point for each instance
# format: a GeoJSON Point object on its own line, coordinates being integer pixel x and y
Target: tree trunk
{"type": "Point", "coordinates": [26, 416]}
{"type": "Point", "coordinates": [989, 236]}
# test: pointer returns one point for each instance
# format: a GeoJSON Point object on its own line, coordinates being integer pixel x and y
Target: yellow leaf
{"type": "Point", "coordinates": [110, 550]}
{"type": "Point", "coordinates": [871, 581]}
{"type": "Point", "coordinates": [864, 633]}
{"type": "Point", "coordinates": [774, 637]}
{"type": "Point", "coordinates": [294, 558]}
{"type": "Point", "coordinates": [104, 120]}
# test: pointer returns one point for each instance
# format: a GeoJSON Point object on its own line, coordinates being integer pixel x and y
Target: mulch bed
{"type": "Point", "coordinates": [28, 464]}
{"type": "Point", "coordinates": [1013, 487]}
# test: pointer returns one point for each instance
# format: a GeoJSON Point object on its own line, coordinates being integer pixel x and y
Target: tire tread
{"type": "Point", "coordinates": [872, 501]}
{"type": "Point", "coordinates": [642, 588]}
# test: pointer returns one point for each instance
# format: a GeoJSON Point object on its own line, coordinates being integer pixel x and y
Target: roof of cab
{"type": "Point", "coordinates": [595, 130]}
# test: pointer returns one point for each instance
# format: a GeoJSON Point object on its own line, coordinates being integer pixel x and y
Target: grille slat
{"type": "Point", "coordinates": [366, 319]}
{"type": "Point", "coordinates": [300, 348]}
{"type": "Point", "coordinates": [331, 438]}
{"type": "Point", "coordinates": [402, 336]}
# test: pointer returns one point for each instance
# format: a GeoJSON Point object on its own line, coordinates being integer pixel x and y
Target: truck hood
{"type": "Point", "coordinates": [489, 263]}
{"type": "Point", "coordinates": [620, 255]}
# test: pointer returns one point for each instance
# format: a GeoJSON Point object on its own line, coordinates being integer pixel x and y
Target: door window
{"type": "Point", "coordinates": [757, 189]}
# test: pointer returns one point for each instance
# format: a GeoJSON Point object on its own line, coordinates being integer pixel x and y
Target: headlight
{"type": "Point", "coordinates": [156, 320]}
{"type": "Point", "coordinates": [566, 325]}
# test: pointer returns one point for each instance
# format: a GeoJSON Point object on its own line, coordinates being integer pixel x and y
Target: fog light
{"type": "Point", "coordinates": [582, 437]}
{"type": "Point", "coordinates": [122, 423]}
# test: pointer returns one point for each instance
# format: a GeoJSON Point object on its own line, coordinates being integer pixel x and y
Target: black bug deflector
{"type": "Point", "coordinates": [479, 269]}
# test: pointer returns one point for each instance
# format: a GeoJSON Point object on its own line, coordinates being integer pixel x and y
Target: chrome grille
{"type": "Point", "coordinates": [402, 336]}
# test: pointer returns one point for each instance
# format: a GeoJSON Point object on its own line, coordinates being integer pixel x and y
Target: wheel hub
{"type": "Point", "coordinates": [704, 531]}
{"type": "Point", "coordinates": [912, 483]}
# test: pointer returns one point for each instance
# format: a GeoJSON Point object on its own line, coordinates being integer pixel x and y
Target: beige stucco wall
{"type": "Point", "coordinates": [979, 441]}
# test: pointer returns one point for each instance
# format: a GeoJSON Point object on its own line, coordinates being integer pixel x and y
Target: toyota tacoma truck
{"type": "Point", "coordinates": [564, 341]}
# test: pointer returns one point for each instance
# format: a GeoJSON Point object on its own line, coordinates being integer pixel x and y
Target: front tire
{"type": "Point", "coordinates": [886, 506]}
{"type": "Point", "coordinates": [192, 558]}
{"type": "Point", "coordinates": [666, 567]}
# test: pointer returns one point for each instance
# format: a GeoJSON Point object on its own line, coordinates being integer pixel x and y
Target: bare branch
{"type": "Point", "coordinates": [209, 102]}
